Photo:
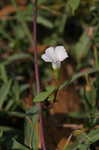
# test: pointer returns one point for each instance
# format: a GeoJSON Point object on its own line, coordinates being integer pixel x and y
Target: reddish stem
{"type": "Point", "coordinates": [37, 72]}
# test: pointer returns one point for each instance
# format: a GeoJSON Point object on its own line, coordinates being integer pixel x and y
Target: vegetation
{"type": "Point", "coordinates": [32, 114]}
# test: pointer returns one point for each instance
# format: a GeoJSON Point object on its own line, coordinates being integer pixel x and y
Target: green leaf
{"type": "Point", "coordinates": [41, 1]}
{"type": "Point", "coordinates": [83, 147]}
{"type": "Point", "coordinates": [73, 5]}
{"type": "Point", "coordinates": [15, 57]}
{"type": "Point", "coordinates": [9, 105]}
{"type": "Point", "coordinates": [94, 135]}
{"type": "Point", "coordinates": [25, 15]}
{"type": "Point", "coordinates": [73, 146]}
{"type": "Point", "coordinates": [6, 128]}
{"type": "Point", "coordinates": [51, 98]}
{"type": "Point", "coordinates": [12, 114]}
{"type": "Point", "coordinates": [3, 74]}
{"type": "Point", "coordinates": [50, 88]}
{"type": "Point", "coordinates": [87, 139]}
{"type": "Point", "coordinates": [97, 86]}
{"type": "Point", "coordinates": [41, 97]}
{"type": "Point", "coordinates": [24, 87]}
{"type": "Point", "coordinates": [45, 94]}
{"type": "Point", "coordinates": [31, 128]}
{"type": "Point", "coordinates": [17, 145]}
{"type": "Point", "coordinates": [80, 50]}
{"type": "Point", "coordinates": [16, 91]}
{"type": "Point", "coordinates": [91, 96]}
{"type": "Point", "coordinates": [77, 76]}
{"type": "Point", "coordinates": [4, 92]}
{"type": "Point", "coordinates": [19, 33]}
{"type": "Point", "coordinates": [78, 115]}
{"type": "Point", "coordinates": [45, 22]}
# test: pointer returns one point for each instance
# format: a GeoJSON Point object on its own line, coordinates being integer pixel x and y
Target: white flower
{"type": "Point", "coordinates": [55, 55]}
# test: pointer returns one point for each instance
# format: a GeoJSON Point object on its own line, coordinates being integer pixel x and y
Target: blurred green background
{"type": "Point", "coordinates": [72, 23]}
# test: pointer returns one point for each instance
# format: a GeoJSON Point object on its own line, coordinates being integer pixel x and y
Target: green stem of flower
{"type": "Point", "coordinates": [56, 73]}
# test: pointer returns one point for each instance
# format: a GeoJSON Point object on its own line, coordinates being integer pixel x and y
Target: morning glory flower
{"type": "Point", "coordinates": [55, 55]}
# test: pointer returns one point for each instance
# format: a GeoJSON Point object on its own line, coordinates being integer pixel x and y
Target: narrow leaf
{"type": "Point", "coordinates": [45, 94]}
{"type": "Point", "coordinates": [17, 145]}
{"type": "Point", "coordinates": [94, 135]}
{"type": "Point", "coordinates": [31, 128]}
{"type": "Point", "coordinates": [80, 50]}
{"type": "Point", "coordinates": [73, 146]}
{"type": "Point", "coordinates": [17, 57]}
{"type": "Point", "coordinates": [73, 5]}
{"type": "Point", "coordinates": [4, 92]}
{"type": "Point", "coordinates": [41, 97]}
{"type": "Point", "coordinates": [44, 21]}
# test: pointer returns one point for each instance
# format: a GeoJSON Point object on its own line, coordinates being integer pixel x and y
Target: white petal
{"type": "Point", "coordinates": [61, 53]}
{"type": "Point", "coordinates": [50, 52]}
{"type": "Point", "coordinates": [46, 58]}
{"type": "Point", "coordinates": [56, 65]}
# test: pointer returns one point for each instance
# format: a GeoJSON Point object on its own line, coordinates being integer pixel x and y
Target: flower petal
{"type": "Point", "coordinates": [61, 53]}
{"type": "Point", "coordinates": [50, 52]}
{"type": "Point", "coordinates": [46, 58]}
{"type": "Point", "coordinates": [56, 65]}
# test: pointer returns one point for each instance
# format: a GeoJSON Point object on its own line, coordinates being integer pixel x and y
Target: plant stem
{"type": "Point", "coordinates": [37, 72]}
{"type": "Point", "coordinates": [35, 48]}
{"type": "Point", "coordinates": [96, 57]}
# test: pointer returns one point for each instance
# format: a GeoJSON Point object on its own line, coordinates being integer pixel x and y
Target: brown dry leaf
{"type": "Point", "coordinates": [22, 2]}
{"type": "Point", "coordinates": [55, 137]}
{"type": "Point", "coordinates": [67, 100]}
{"type": "Point", "coordinates": [7, 10]}
{"type": "Point", "coordinates": [40, 48]}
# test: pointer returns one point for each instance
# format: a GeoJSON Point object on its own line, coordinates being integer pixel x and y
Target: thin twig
{"type": "Point", "coordinates": [37, 72]}
{"type": "Point", "coordinates": [68, 141]}
{"type": "Point", "coordinates": [73, 126]}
